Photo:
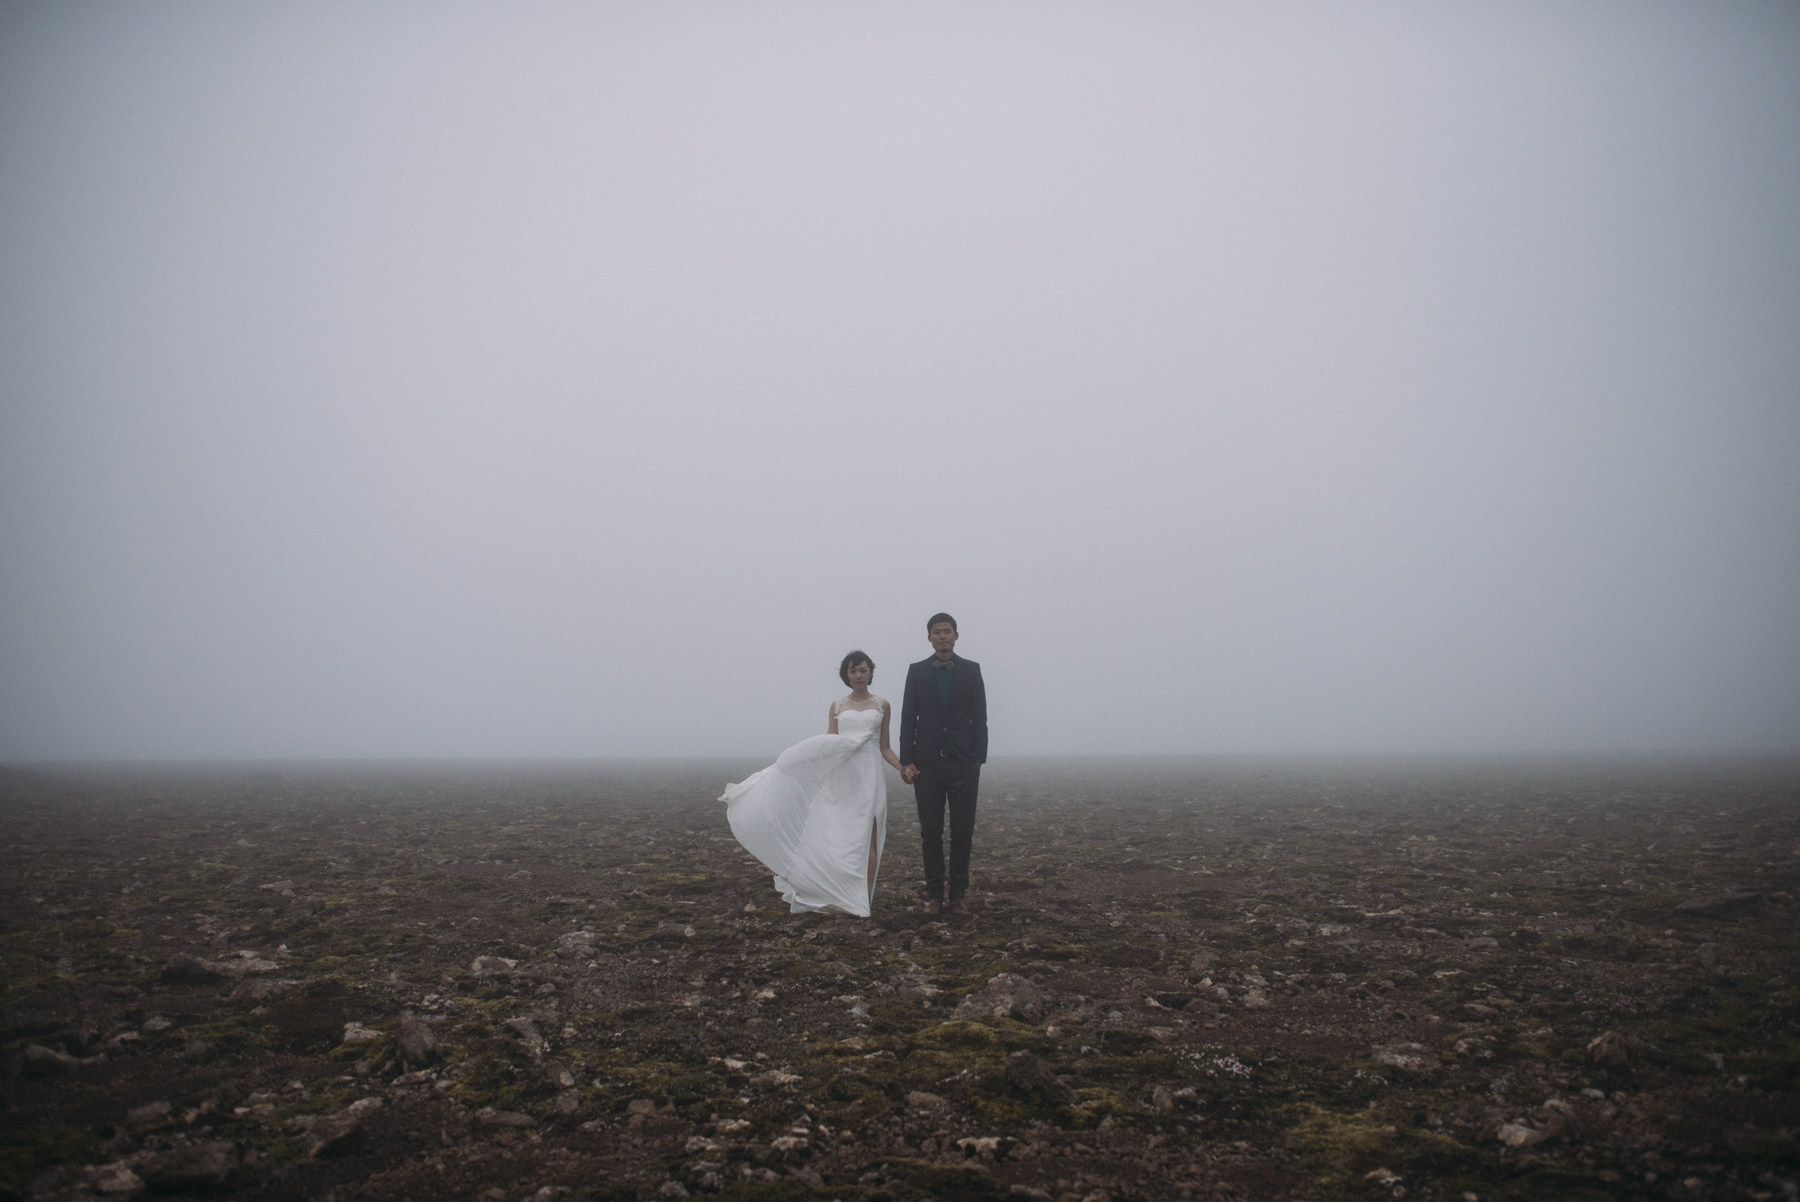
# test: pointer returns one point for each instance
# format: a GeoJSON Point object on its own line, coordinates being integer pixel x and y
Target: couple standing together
{"type": "Point", "coordinates": [817, 816]}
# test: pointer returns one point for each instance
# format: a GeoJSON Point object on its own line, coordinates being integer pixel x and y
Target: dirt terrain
{"type": "Point", "coordinates": [1183, 979]}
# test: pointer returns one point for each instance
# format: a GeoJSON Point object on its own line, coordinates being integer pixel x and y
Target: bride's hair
{"type": "Point", "coordinates": [850, 661]}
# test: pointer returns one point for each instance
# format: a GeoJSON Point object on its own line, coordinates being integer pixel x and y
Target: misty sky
{"type": "Point", "coordinates": [585, 379]}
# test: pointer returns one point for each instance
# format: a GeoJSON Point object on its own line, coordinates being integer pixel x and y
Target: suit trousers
{"type": "Point", "coordinates": [947, 784]}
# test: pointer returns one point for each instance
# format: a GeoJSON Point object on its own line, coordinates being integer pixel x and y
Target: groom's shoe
{"type": "Point", "coordinates": [959, 906]}
{"type": "Point", "coordinates": [934, 906]}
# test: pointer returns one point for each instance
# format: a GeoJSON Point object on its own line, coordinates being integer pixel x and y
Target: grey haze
{"type": "Point", "coordinates": [539, 379]}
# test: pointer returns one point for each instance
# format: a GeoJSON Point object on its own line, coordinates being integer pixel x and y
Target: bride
{"type": "Point", "coordinates": [817, 816]}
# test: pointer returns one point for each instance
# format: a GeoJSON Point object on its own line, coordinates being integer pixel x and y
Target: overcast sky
{"type": "Point", "coordinates": [585, 379]}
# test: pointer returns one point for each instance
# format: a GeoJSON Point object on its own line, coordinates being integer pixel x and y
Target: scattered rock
{"type": "Point", "coordinates": [1772, 1145]}
{"type": "Point", "coordinates": [1162, 1100]}
{"type": "Point", "coordinates": [487, 966]}
{"type": "Point", "coordinates": [196, 1165]}
{"type": "Point", "coordinates": [355, 1032]}
{"type": "Point", "coordinates": [79, 1038]}
{"type": "Point", "coordinates": [1482, 943]}
{"type": "Point", "coordinates": [183, 969]}
{"type": "Point", "coordinates": [1609, 1049]}
{"type": "Point", "coordinates": [1005, 996]}
{"type": "Point", "coordinates": [487, 1116]}
{"type": "Point", "coordinates": [261, 989]}
{"type": "Point", "coordinates": [44, 1061]}
{"type": "Point", "coordinates": [149, 1112]}
{"type": "Point", "coordinates": [1725, 906]}
{"type": "Point", "coordinates": [245, 964]}
{"type": "Point", "coordinates": [1414, 1058]}
{"type": "Point", "coordinates": [558, 1074]}
{"type": "Point", "coordinates": [82, 1183]}
{"type": "Point", "coordinates": [1383, 1176]}
{"type": "Point", "coordinates": [1553, 1118]}
{"type": "Point", "coordinates": [1029, 1074]}
{"type": "Point", "coordinates": [576, 945]}
{"type": "Point", "coordinates": [116, 1181]}
{"type": "Point", "coordinates": [416, 1041]}
{"type": "Point", "coordinates": [918, 1099]}
{"type": "Point", "coordinates": [913, 986]}
{"type": "Point", "coordinates": [534, 1042]}
{"type": "Point", "coordinates": [1518, 1135]}
{"type": "Point", "coordinates": [337, 1132]}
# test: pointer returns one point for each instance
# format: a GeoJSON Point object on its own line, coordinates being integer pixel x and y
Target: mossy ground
{"type": "Point", "coordinates": [1224, 951]}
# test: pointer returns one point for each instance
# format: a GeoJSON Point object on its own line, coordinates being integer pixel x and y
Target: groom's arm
{"type": "Point", "coordinates": [978, 714]}
{"type": "Point", "coordinates": [909, 718]}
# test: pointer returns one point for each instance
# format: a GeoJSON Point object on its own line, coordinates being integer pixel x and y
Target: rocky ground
{"type": "Point", "coordinates": [1182, 979]}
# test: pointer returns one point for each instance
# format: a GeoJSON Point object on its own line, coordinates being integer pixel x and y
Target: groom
{"type": "Point", "coordinates": [943, 744]}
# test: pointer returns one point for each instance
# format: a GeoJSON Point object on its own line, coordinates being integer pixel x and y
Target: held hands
{"type": "Point", "coordinates": [909, 773]}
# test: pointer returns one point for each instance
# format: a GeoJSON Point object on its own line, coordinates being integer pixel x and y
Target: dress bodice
{"type": "Point", "coordinates": [859, 721]}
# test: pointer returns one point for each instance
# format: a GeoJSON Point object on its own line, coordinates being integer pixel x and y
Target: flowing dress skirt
{"type": "Point", "coordinates": [812, 815]}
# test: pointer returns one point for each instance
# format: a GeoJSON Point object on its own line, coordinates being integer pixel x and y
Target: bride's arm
{"type": "Point", "coordinates": [887, 750]}
{"type": "Point", "coordinates": [831, 720]}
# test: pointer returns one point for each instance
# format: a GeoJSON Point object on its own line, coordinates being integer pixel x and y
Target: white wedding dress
{"type": "Point", "coordinates": [815, 813]}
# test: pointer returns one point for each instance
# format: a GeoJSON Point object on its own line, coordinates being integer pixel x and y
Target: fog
{"type": "Point", "coordinates": [585, 379]}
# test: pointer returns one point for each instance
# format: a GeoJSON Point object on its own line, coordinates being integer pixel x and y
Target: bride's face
{"type": "Point", "coordinates": [860, 676]}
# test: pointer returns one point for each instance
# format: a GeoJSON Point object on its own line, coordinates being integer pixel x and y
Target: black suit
{"type": "Point", "coordinates": [947, 740]}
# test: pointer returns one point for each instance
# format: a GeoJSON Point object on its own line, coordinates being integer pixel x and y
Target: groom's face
{"type": "Point", "coordinates": [943, 639]}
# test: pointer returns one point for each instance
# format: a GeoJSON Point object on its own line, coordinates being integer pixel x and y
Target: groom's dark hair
{"type": "Point", "coordinates": [934, 619]}
{"type": "Point", "coordinates": [850, 661]}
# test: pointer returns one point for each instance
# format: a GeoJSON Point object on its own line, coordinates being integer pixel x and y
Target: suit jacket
{"type": "Point", "coordinates": [928, 727]}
